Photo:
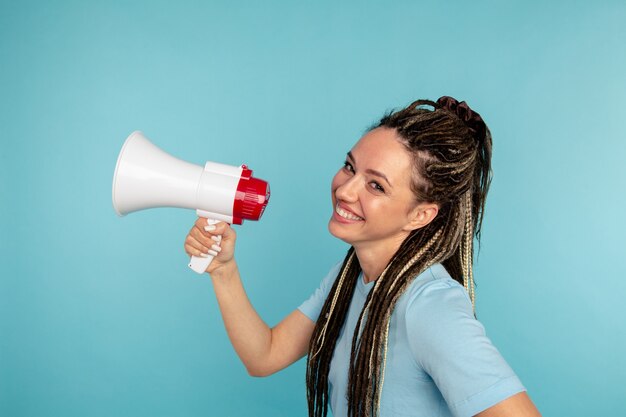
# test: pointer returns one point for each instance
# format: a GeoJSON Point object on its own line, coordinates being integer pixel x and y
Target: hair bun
{"type": "Point", "coordinates": [466, 114]}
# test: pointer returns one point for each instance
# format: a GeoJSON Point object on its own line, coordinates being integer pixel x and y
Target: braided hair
{"type": "Point", "coordinates": [451, 152]}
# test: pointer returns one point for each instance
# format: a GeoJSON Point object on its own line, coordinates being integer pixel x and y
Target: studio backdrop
{"type": "Point", "coordinates": [100, 315]}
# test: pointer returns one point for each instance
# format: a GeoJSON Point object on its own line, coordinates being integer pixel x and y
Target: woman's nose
{"type": "Point", "coordinates": [348, 190]}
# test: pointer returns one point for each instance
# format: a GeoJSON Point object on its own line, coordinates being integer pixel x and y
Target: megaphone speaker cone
{"type": "Point", "coordinates": [147, 177]}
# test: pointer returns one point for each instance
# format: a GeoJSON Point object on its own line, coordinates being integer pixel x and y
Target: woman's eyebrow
{"type": "Point", "coordinates": [370, 171]}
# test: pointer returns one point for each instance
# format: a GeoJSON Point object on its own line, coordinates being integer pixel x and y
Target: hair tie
{"type": "Point", "coordinates": [467, 115]}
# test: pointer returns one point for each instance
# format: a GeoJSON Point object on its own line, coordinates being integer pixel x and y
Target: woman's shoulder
{"type": "Point", "coordinates": [437, 313]}
{"type": "Point", "coordinates": [435, 291]}
{"type": "Point", "coordinates": [435, 279]}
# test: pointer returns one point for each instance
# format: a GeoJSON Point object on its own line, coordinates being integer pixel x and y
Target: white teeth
{"type": "Point", "coordinates": [346, 214]}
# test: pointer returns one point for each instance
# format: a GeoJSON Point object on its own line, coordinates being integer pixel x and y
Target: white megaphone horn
{"type": "Point", "coordinates": [147, 177]}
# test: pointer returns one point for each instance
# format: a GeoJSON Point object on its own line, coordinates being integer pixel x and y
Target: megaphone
{"type": "Point", "coordinates": [147, 177]}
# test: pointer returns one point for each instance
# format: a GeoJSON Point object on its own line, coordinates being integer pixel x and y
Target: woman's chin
{"type": "Point", "coordinates": [335, 229]}
{"type": "Point", "coordinates": [331, 227]}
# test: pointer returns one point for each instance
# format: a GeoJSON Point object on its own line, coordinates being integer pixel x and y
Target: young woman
{"type": "Point", "coordinates": [391, 331]}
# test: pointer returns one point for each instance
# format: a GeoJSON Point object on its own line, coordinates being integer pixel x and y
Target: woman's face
{"type": "Point", "coordinates": [371, 194]}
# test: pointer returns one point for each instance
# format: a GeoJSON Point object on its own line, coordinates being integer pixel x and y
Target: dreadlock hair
{"type": "Point", "coordinates": [451, 149]}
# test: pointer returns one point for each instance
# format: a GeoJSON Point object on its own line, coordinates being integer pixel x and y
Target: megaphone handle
{"type": "Point", "coordinates": [199, 264]}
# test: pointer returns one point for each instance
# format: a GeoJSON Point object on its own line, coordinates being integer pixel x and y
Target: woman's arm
{"type": "Point", "coordinates": [263, 350]}
{"type": "Point", "coordinates": [518, 405]}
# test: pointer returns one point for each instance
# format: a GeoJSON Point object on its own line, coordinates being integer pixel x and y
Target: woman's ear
{"type": "Point", "coordinates": [421, 215]}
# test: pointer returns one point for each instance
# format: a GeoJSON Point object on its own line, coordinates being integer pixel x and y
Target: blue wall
{"type": "Point", "coordinates": [99, 316]}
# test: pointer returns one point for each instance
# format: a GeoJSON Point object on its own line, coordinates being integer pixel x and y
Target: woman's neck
{"type": "Point", "coordinates": [374, 258]}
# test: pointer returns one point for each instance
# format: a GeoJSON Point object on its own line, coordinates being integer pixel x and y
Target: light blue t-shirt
{"type": "Point", "coordinates": [439, 360]}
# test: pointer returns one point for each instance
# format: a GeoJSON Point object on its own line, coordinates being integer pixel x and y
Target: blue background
{"type": "Point", "coordinates": [99, 315]}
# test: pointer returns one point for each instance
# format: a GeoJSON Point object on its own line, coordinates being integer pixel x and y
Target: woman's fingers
{"type": "Point", "coordinates": [191, 251]}
{"type": "Point", "coordinates": [200, 237]}
{"type": "Point", "coordinates": [216, 232]}
{"type": "Point", "coordinates": [201, 222]}
{"type": "Point", "coordinates": [217, 229]}
{"type": "Point", "coordinates": [194, 247]}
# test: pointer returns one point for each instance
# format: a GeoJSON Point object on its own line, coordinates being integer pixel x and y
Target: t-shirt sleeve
{"type": "Point", "coordinates": [452, 347]}
{"type": "Point", "coordinates": [312, 307]}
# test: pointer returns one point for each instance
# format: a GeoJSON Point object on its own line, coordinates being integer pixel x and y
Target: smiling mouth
{"type": "Point", "coordinates": [346, 214]}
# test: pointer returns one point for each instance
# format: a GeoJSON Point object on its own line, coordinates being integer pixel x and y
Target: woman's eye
{"type": "Point", "coordinates": [348, 166]}
{"type": "Point", "coordinates": [376, 186]}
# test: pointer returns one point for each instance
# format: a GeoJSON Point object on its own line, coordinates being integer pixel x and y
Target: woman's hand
{"type": "Point", "coordinates": [203, 239]}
